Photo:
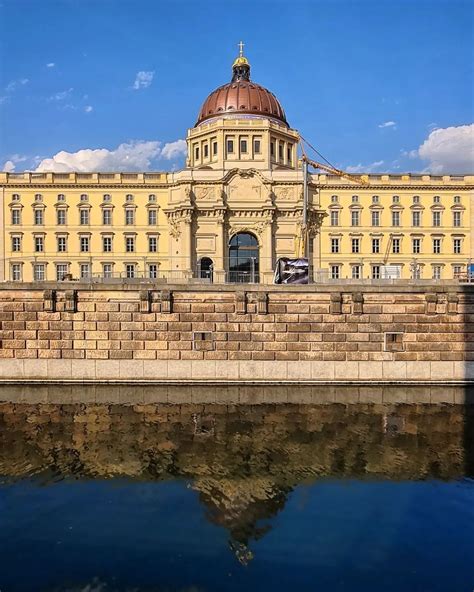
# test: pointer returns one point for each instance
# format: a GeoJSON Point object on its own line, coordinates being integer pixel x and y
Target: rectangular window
{"type": "Point", "coordinates": [335, 272]}
{"type": "Point", "coordinates": [61, 217]}
{"type": "Point", "coordinates": [129, 217]}
{"type": "Point", "coordinates": [375, 245]}
{"type": "Point", "coordinates": [288, 155]}
{"type": "Point", "coordinates": [206, 151]}
{"type": "Point", "coordinates": [334, 245]}
{"type": "Point", "coordinates": [355, 218]}
{"type": "Point", "coordinates": [16, 272]}
{"type": "Point", "coordinates": [257, 147]}
{"type": "Point", "coordinates": [457, 219]}
{"type": "Point", "coordinates": [355, 245]}
{"type": "Point", "coordinates": [376, 218]}
{"type": "Point", "coordinates": [396, 245]}
{"type": "Point", "coordinates": [130, 270]}
{"type": "Point", "coordinates": [375, 272]}
{"type": "Point", "coordinates": [334, 218]}
{"type": "Point", "coordinates": [107, 270]}
{"type": "Point", "coordinates": [61, 271]}
{"type": "Point", "coordinates": [39, 244]}
{"type": "Point", "coordinates": [38, 217]}
{"type": "Point", "coordinates": [153, 270]}
{"type": "Point", "coordinates": [85, 270]}
{"type": "Point", "coordinates": [84, 244]}
{"type": "Point", "coordinates": [214, 148]}
{"type": "Point", "coordinates": [39, 272]}
{"type": "Point", "coordinates": [457, 271]}
{"type": "Point", "coordinates": [196, 152]}
{"type": "Point", "coordinates": [16, 217]}
{"type": "Point", "coordinates": [107, 244]}
{"type": "Point", "coordinates": [16, 244]}
{"type": "Point", "coordinates": [356, 272]}
{"type": "Point", "coordinates": [230, 146]}
{"type": "Point", "coordinates": [436, 272]}
{"type": "Point", "coordinates": [151, 217]}
{"type": "Point", "coordinates": [243, 146]}
{"type": "Point", "coordinates": [457, 246]}
{"type": "Point", "coordinates": [272, 149]}
{"type": "Point", "coordinates": [375, 199]}
{"type": "Point", "coordinates": [436, 218]}
{"type": "Point", "coordinates": [416, 245]}
{"type": "Point", "coordinates": [395, 218]}
{"type": "Point", "coordinates": [436, 246]}
{"type": "Point", "coordinates": [416, 218]}
{"type": "Point", "coordinates": [83, 217]}
{"type": "Point", "coordinates": [280, 151]}
{"type": "Point", "coordinates": [130, 244]}
{"type": "Point", "coordinates": [106, 217]}
{"type": "Point", "coordinates": [62, 244]}
{"type": "Point", "coordinates": [152, 244]}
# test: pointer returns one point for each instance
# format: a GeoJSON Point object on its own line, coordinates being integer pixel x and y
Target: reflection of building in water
{"type": "Point", "coordinates": [243, 460]}
{"type": "Point", "coordinates": [242, 506]}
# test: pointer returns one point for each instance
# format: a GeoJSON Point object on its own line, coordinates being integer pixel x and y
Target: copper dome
{"type": "Point", "coordinates": [241, 96]}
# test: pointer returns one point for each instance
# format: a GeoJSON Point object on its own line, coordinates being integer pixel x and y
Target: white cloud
{"type": "Point", "coordinates": [88, 108]}
{"type": "Point", "coordinates": [174, 149]}
{"type": "Point", "coordinates": [60, 96]}
{"type": "Point", "coordinates": [392, 124]}
{"type": "Point", "coordinates": [448, 150]}
{"type": "Point", "coordinates": [134, 156]}
{"type": "Point", "coordinates": [143, 80]}
{"type": "Point", "coordinates": [8, 167]}
{"type": "Point", "coordinates": [50, 65]}
{"type": "Point", "coordinates": [14, 84]}
{"type": "Point", "coordinates": [364, 168]}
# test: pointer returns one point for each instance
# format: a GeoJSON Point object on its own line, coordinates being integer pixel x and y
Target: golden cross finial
{"type": "Point", "coordinates": [241, 49]}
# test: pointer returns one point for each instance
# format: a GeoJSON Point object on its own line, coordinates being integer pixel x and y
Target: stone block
{"type": "Point", "coordinates": [275, 370]}
{"type": "Point", "coordinates": [346, 371]}
{"type": "Point", "coordinates": [323, 370]}
{"type": "Point", "coordinates": [394, 370]}
{"type": "Point", "coordinates": [442, 370]}
{"type": "Point", "coordinates": [201, 369]}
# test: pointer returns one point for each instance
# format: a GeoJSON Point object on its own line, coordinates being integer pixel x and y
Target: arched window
{"type": "Point", "coordinates": [243, 258]}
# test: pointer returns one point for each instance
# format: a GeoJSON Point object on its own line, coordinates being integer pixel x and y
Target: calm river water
{"type": "Point", "coordinates": [204, 498]}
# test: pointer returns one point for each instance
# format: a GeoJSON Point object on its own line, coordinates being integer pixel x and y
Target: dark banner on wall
{"type": "Point", "coordinates": [291, 271]}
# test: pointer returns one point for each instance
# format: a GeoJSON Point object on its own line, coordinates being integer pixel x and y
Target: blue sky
{"type": "Point", "coordinates": [374, 85]}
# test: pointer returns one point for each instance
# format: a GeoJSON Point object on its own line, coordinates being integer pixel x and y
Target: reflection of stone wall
{"type": "Point", "coordinates": [234, 447]}
{"type": "Point", "coordinates": [268, 333]}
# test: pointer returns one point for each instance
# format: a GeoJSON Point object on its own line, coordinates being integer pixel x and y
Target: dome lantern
{"type": "Point", "coordinates": [241, 66]}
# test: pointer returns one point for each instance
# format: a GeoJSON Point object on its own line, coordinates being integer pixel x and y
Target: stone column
{"type": "Point", "coordinates": [266, 254]}
{"type": "Point", "coordinates": [221, 252]}
{"type": "Point", "coordinates": [316, 262]}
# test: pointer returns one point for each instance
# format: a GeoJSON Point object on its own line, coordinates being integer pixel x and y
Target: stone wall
{"type": "Point", "coordinates": [384, 333]}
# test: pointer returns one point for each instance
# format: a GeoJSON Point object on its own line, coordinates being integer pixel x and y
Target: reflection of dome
{"type": "Point", "coordinates": [241, 96]}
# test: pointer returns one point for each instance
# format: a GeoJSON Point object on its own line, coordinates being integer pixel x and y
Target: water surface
{"type": "Point", "coordinates": [250, 497]}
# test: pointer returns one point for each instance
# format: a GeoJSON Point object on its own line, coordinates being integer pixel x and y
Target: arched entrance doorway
{"type": "Point", "coordinates": [206, 267]}
{"type": "Point", "coordinates": [243, 258]}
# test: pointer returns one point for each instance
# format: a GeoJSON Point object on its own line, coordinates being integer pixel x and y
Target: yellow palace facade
{"type": "Point", "coordinates": [233, 211]}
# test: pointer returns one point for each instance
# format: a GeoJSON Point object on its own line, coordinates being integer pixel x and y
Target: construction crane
{"type": "Point", "coordinates": [302, 241]}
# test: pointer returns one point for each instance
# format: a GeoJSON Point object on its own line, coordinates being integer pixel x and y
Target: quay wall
{"type": "Point", "coordinates": [405, 333]}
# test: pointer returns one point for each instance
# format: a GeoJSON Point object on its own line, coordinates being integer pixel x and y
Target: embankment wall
{"type": "Point", "coordinates": [404, 333]}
